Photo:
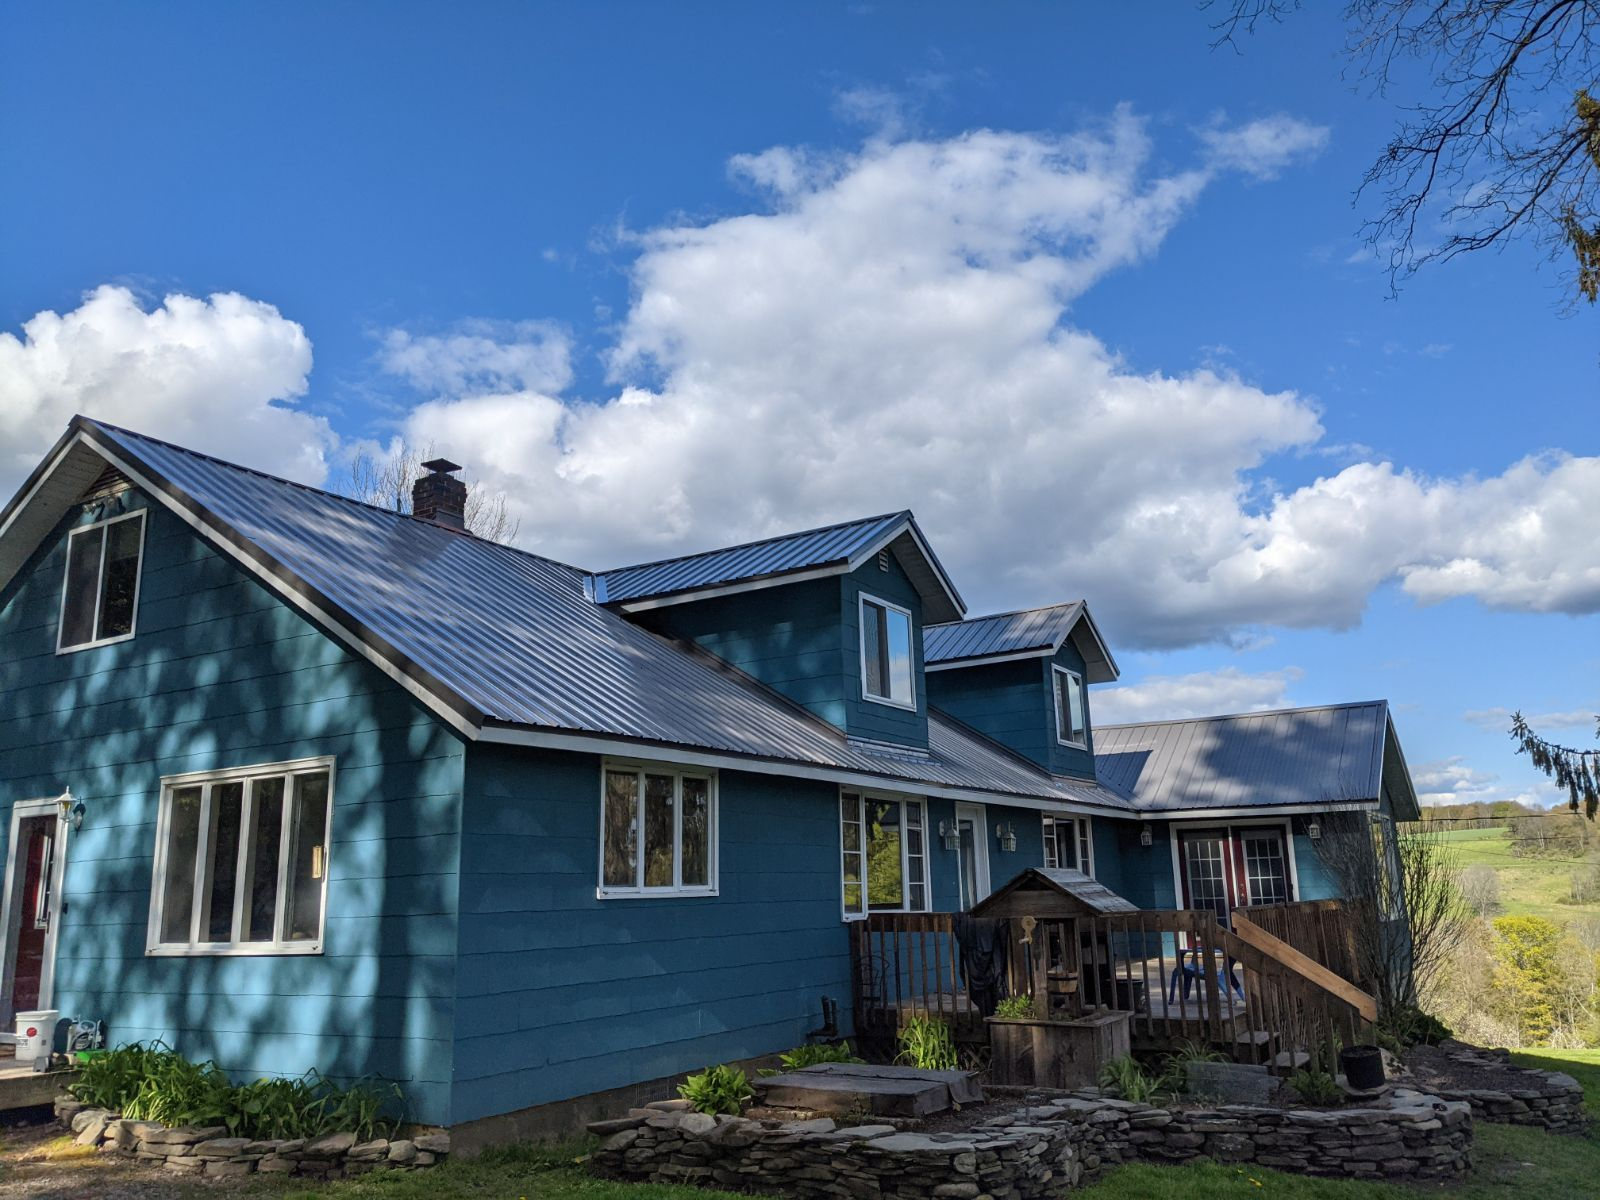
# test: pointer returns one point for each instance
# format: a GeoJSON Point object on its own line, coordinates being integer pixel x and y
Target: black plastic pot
{"type": "Point", "coordinates": [1362, 1067]}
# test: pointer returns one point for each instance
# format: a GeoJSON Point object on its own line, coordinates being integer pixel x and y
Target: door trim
{"type": "Point", "coordinates": [980, 850]}
{"type": "Point", "coordinates": [10, 911]}
{"type": "Point", "coordinates": [1176, 829]}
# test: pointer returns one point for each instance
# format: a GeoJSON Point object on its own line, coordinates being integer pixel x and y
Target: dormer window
{"type": "Point", "coordinates": [886, 653]}
{"type": "Point", "coordinates": [100, 596]}
{"type": "Point", "coordinates": [1072, 726]}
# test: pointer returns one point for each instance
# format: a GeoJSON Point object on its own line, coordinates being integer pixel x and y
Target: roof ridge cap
{"type": "Point", "coordinates": [776, 537]}
{"type": "Point", "coordinates": [1239, 716]}
{"type": "Point", "coordinates": [1015, 612]}
{"type": "Point", "coordinates": [307, 487]}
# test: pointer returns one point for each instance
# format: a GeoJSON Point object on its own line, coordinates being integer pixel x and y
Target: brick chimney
{"type": "Point", "coordinates": [438, 496]}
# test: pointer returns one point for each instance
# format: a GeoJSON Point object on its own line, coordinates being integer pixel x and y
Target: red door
{"type": "Point", "coordinates": [36, 841]}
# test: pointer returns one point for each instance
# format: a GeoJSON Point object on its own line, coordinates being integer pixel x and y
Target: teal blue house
{"type": "Point", "coordinates": [293, 782]}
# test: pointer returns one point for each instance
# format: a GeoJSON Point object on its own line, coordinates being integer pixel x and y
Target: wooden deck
{"type": "Point", "coordinates": [1251, 994]}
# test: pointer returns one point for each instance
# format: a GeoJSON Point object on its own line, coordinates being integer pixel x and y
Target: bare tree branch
{"type": "Point", "coordinates": [386, 481]}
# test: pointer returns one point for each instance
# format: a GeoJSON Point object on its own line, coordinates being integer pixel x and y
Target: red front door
{"type": "Point", "coordinates": [36, 847]}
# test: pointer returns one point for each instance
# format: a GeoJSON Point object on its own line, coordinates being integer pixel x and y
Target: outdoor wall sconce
{"type": "Point", "coordinates": [1314, 830]}
{"type": "Point", "coordinates": [72, 811]}
{"type": "Point", "coordinates": [1146, 837]}
{"type": "Point", "coordinates": [949, 835]}
{"type": "Point", "coordinates": [1007, 834]}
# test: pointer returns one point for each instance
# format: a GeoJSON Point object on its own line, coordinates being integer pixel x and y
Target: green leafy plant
{"type": "Point", "coordinates": [1128, 1079]}
{"type": "Point", "coordinates": [155, 1083]}
{"type": "Point", "coordinates": [1403, 1027]}
{"type": "Point", "coordinates": [818, 1052]}
{"type": "Point", "coordinates": [720, 1089]}
{"type": "Point", "coordinates": [1317, 1088]}
{"type": "Point", "coordinates": [1015, 1008]}
{"type": "Point", "coordinates": [1175, 1072]}
{"type": "Point", "coordinates": [925, 1043]}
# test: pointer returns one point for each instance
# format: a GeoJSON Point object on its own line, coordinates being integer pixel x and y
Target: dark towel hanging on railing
{"type": "Point", "coordinates": [983, 958]}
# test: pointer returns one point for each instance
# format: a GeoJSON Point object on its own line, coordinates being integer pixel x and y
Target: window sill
{"type": "Point", "coordinates": [254, 950]}
{"type": "Point", "coordinates": [652, 893]}
{"type": "Point", "coordinates": [1072, 745]}
{"type": "Point", "coordinates": [888, 912]}
{"type": "Point", "coordinates": [904, 706]}
{"type": "Point", "coordinates": [111, 641]}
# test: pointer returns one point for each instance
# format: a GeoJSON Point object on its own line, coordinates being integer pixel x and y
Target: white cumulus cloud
{"type": "Point", "coordinates": [1264, 148]}
{"type": "Point", "coordinates": [216, 374]}
{"type": "Point", "coordinates": [1200, 694]}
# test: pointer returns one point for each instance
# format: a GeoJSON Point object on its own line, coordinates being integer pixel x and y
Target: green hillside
{"type": "Point", "coordinates": [1529, 886]}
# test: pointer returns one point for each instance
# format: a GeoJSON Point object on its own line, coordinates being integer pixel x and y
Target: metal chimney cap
{"type": "Point", "coordinates": [441, 466]}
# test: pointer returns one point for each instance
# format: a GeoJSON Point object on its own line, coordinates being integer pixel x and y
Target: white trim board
{"type": "Point", "coordinates": [11, 916]}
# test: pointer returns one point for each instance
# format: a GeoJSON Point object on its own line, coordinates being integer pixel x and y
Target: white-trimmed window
{"type": "Point", "coordinates": [100, 591]}
{"type": "Point", "coordinates": [1072, 723]}
{"type": "Point", "coordinates": [241, 861]}
{"type": "Point", "coordinates": [883, 854]}
{"type": "Point", "coordinates": [1068, 843]}
{"type": "Point", "coordinates": [658, 830]}
{"type": "Point", "coordinates": [886, 674]}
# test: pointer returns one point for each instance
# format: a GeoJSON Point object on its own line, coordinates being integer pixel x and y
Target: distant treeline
{"type": "Point", "coordinates": [1532, 831]}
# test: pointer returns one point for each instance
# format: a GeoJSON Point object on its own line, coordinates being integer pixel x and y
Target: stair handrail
{"type": "Point", "coordinates": [1304, 966]}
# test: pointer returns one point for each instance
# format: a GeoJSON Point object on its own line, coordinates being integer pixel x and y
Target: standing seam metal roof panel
{"type": "Point", "coordinates": [1002, 633]}
{"type": "Point", "coordinates": [515, 636]}
{"type": "Point", "coordinates": [1304, 756]}
{"type": "Point", "coordinates": [779, 555]}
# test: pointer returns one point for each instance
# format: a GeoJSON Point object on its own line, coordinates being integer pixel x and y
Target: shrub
{"type": "Point", "coordinates": [720, 1089]}
{"type": "Point", "coordinates": [817, 1052]}
{"type": "Point", "coordinates": [925, 1044]}
{"type": "Point", "coordinates": [1317, 1088]}
{"type": "Point", "coordinates": [1014, 1007]}
{"type": "Point", "coordinates": [1410, 1026]}
{"type": "Point", "coordinates": [1128, 1079]}
{"type": "Point", "coordinates": [155, 1083]}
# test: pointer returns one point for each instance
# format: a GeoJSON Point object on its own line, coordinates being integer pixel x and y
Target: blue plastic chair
{"type": "Point", "coordinates": [1191, 969]}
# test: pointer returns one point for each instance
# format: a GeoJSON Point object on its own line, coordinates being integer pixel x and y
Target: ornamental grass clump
{"type": "Point", "coordinates": [1129, 1080]}
{"type": "Point", "coordinates": [925, 1043]}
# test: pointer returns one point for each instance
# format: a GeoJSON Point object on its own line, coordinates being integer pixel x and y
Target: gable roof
{"type": "Point", "coordinates": [811, 553]}
{"type": "Point", "coordinates": [1030, 633]}
{"type": "Point", "coordinates": [1310, 758]}
{"type": "Point", "coordinates": [1065, 882]}
{"type": "Point", "coordinates": [502, 644]}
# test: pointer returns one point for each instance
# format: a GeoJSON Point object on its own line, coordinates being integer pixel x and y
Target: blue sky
{"type": "Point", "coordinates": [1085, 293]}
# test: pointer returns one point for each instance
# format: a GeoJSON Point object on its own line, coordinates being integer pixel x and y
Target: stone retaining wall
{"type": "Point", "coordinates": [209, 1151]}
{"type": "Point", "coordinates": [1041, 1151]}
{"type": "Point", "coordinates": [1550, 1099]}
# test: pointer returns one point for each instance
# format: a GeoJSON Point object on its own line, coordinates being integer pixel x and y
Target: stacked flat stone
{"type": "Point", "coordinates": [210, 1151]}
{"type": "Point", "coordinates": [1044, 1150]}
{"type": "Point", "coordinates": [1552, 1100]}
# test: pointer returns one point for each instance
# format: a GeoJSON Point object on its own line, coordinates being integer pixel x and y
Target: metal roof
{"type": "Point", "coordinates": [1299, 756]}
{"type": "Point", "coordinates": [832, 549]}
{"type": "Point", "coordinates": [1034, 631]}
{"type": "Point", "coordinates": [507, 637]}
{"type": "Point", "coordinates": [1091, 893]}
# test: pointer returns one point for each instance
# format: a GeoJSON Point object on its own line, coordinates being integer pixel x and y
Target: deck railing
{"type": "Point", "coordinates": [1178, 973]}
{"type": "Point", "coordinates": [1324, 930]}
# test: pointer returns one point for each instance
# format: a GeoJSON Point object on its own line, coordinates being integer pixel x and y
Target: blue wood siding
{"type": "Point", "coordinates": [561, 993]}
{"type": "Point", "coordinates": [789, 637]}
{"type": "Point", "coordinates": [867, 718]}
{"type": "Point", "coordinates": [1003, 701]}
{"type": "Point", "coordinates": [221, 674]}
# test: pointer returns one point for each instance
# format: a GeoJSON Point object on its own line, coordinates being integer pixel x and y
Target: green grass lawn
{"type": "Point", "coordinates": [1528, 886]}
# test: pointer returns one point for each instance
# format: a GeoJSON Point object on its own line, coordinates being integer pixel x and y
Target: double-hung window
{"type": "Point", "coordinates": [100, 595]}
{"type": "Point", "coordinates": [1067, 843]}
{"type": "Point", "coordinates": [1072, 725]}
{"type": "Point", "coordinates": [658, 831]}
{"type": "Point", "coordinates": [241, 861]}
{"type": "Point", "coordinates": [884, 854]}
{"type": "Point", "coordinates": [886, 674]}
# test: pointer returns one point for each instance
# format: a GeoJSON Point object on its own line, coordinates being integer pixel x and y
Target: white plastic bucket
{"type": "Point", "coordinates": [36, 1034]}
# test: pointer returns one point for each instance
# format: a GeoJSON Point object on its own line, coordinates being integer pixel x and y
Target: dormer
{"type": "Point", "coordinates": [832, 618]}
{"type": "Point", "coordinates": [1022, 679]}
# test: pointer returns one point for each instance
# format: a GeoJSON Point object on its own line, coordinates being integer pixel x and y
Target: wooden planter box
{"type": "Point", "coordinates": [1027, 1052]}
